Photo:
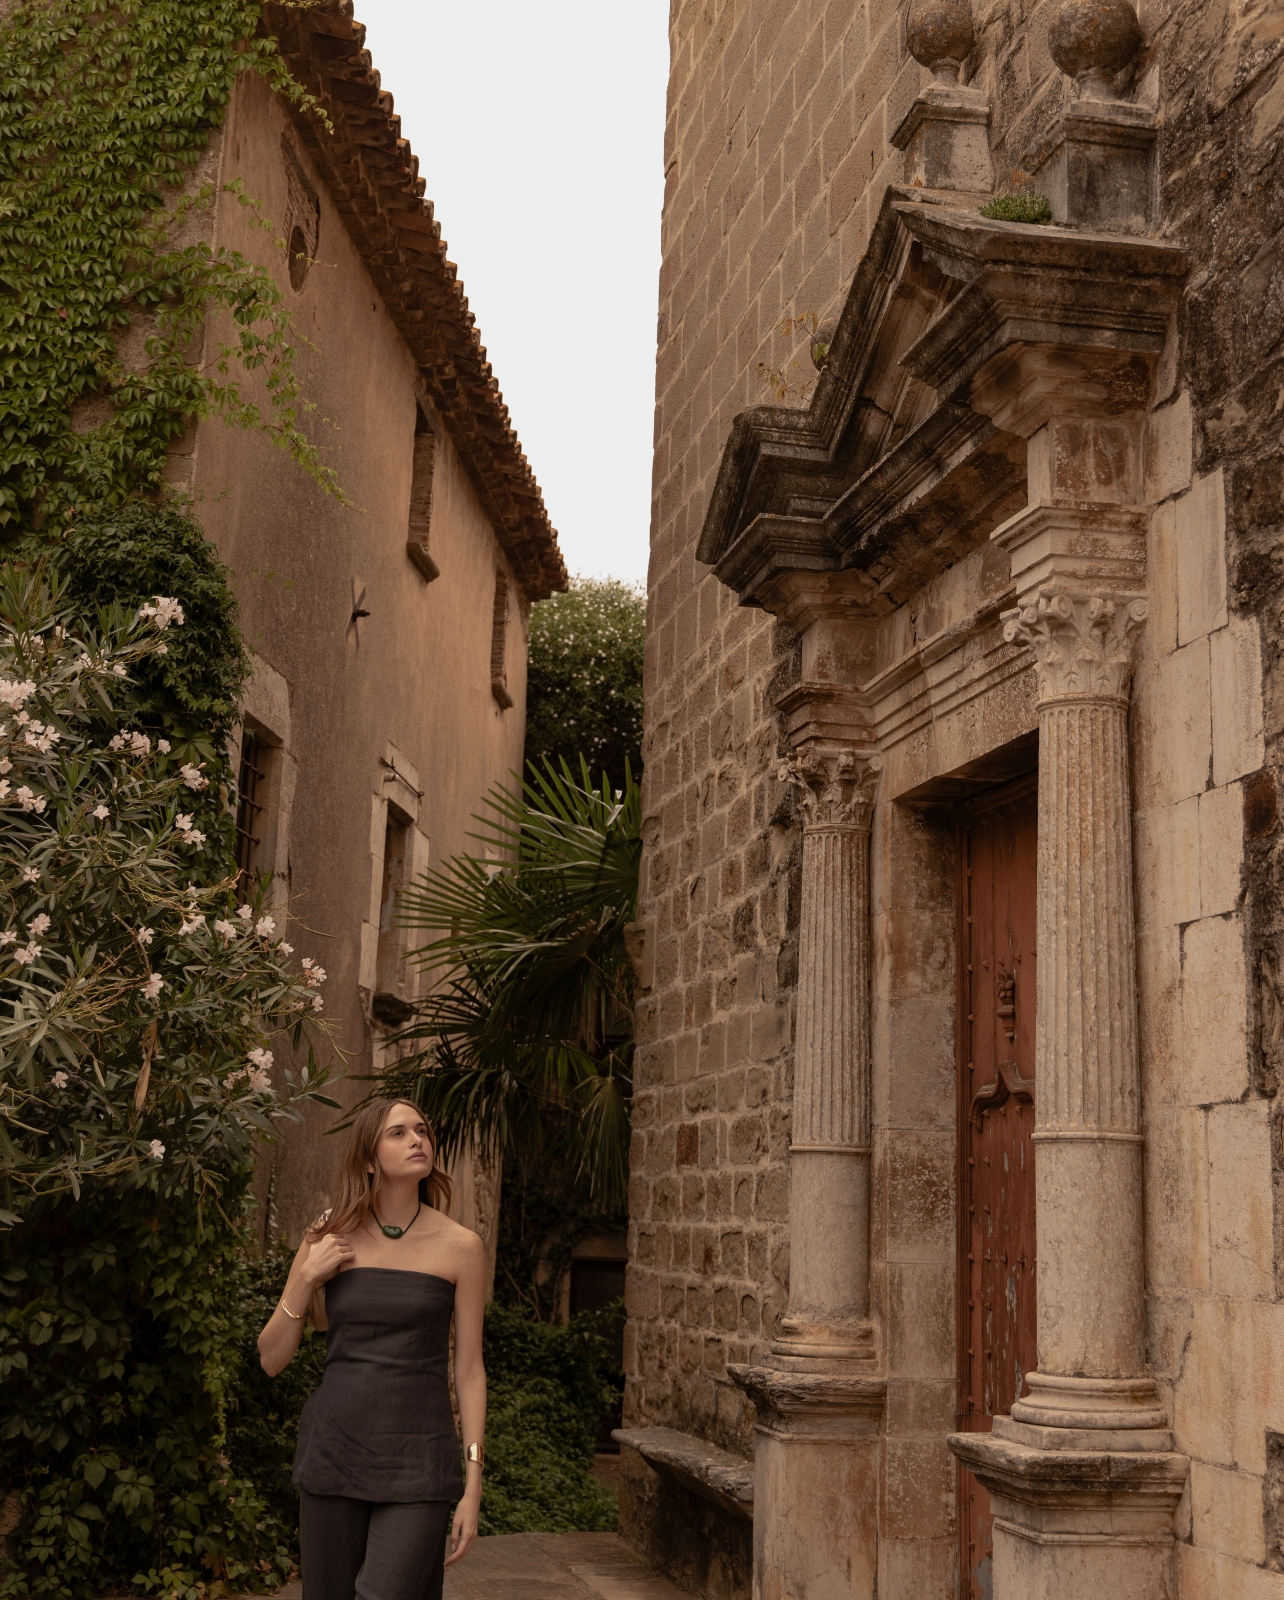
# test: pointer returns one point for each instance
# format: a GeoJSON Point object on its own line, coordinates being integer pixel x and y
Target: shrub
{"type": "Point", "coordinates": [547, 1387]}
{"type": "Point", "coordinates": [1018, 208]}
{"type": "Point", "coordinates": [584, 679]}
{"type": "Point", "coordinates": [136, 1011]}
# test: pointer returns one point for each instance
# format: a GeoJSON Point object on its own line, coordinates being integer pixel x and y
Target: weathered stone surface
{"type": "Point", "coordinates": [723, 1478]}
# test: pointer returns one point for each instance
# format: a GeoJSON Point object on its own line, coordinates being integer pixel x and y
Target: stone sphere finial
{"type": "Point", "coordinates": [1092, 40]}
{"type": "Point", "coordinates": [940, 36]}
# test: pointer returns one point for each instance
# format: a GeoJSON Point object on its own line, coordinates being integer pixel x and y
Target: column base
{"type": "Point", "coordinates": [807, 1345]}
{"type": "Point", "coordinates": [817, 1467]}
{"type": "Point", "coordinates": [1081, 1510]}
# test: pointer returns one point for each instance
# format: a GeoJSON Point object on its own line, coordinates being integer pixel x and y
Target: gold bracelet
{"type": "Point", "coordinates": [475, 1453]}
{"type": "Point", "coordinates": [292, 1315]}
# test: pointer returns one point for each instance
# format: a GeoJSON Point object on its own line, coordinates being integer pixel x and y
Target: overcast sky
{"type": "Point", "coordinates": [539, 129]}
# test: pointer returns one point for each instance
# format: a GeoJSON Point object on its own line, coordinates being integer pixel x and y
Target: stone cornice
{"type": "Point", "coordinates": [824, 1396]}
{"type": "Point", "coordinates": [372, 177]}
{"type": "Point", "coordinates": [877, 478]}
{"type": "Point", "coordinates": [1041, 285]}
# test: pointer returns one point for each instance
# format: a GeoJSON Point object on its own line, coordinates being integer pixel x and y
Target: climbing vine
{"type": "Point", "coordinates": [105, 111]}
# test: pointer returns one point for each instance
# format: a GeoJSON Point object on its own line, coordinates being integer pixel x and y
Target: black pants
{"type": "Point", "coordinates": [354, 1550]}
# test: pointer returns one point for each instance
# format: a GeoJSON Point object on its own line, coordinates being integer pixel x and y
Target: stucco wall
{"type": "Point", "coordinates": [777, 160]}
{"type": "Point", "coordinates": [417, 691]}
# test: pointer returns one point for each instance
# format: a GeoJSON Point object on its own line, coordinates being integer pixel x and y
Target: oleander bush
{"type": "Point", "coordinates": [139, 1003]}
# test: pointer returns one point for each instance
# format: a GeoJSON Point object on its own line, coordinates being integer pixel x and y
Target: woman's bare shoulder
{"type": "Point", "coordinates": [457, 1237]}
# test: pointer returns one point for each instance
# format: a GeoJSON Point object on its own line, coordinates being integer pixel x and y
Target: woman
{"type": "Point", "coordinates": [378, 1459]}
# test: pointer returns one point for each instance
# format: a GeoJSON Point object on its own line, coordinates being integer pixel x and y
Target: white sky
{"type": "Point", "coordinates": [539, 129]}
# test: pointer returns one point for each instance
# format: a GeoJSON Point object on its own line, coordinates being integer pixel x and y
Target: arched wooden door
{"type": "Point", "coordinates": [996, 1322]}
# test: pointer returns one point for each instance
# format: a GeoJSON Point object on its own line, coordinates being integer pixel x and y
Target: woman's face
{"type": "Point", "coordinates": [404, 1149]}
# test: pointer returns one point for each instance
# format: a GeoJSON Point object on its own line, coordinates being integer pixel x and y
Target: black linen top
{"type": "Point", "coordinates": [380, 1427]}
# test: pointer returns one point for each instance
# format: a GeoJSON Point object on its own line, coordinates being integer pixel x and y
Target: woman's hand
{"type": "Point", "coordinates": [464, 1528]}
{"type": "Point", "coordinates": [325, 1258]}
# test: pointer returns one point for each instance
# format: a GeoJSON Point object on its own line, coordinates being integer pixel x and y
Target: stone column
{"type": "Point", "coordinates": [1091, 1291]}
{"type": "Point", "coordinates": [818, 1397]}
{"type": "Point", "coordinates": [830, 1152]}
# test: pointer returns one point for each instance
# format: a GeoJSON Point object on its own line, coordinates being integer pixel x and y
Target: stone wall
{"type": "Point", "coordinates": [777, 162]}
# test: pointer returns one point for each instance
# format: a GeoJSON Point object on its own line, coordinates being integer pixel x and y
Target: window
{"type": "Point", "coordinates": [389, 1004]}
{"type": "Point", "coordinates": [251, 807]}
{"type": "Point", "coordinates": [419, 525]}
{"type": "Point", "coordinates": [498, 642]}
{"type": "Point", "coordinates": [302, 217]}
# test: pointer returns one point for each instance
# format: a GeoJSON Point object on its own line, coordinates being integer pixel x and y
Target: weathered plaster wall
{"type": "Point", "coordinates": [777, 158]}
{"type": "Point", "coordinates": [417, 690]}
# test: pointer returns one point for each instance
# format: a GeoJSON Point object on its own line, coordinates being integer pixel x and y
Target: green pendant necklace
{"type": "Point", "coordinates": [395, 1233]}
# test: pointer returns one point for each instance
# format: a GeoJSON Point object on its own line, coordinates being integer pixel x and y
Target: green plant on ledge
{"type": "Point", "coordinates": [1018, 208]}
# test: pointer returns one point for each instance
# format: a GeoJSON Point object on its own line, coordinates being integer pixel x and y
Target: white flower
{"type": "Point", "coordinates": [153, 986]}
{"type": "Point", "coordinates": [261, 1058]}
{"type": "Point", "coordinates": [193, 777]}
{"type": "Point", "coordinates": [100, 812]}
{"type": "Point", "coordinates": [166, 611]}
{"type": "Point", "coordinates": [285, 949]}
{"type": "Point", "coordinates": [29, 801]}
{"type": "Point", "coordinates": [313, 973]}
{"type": "Point", "coordinates": [194, 836]}
{"type": "Point", "coordinates": [4, 788]}
{"type": "Point", "coordinates": [163, 745]}
{"type": "Point", "coordinates": [317, 1002]}
{"type": "Point", "coordinates": [183, 821]}
{"type": "Point", "coordinates": [191, 926]}
{"type": "Point", "coordinates": [118, 670]}
{"type": "Point", "coordinates": [13, 692]}
{"type": "Point", "coordinates": [40, 737]}
{"type": "Point", "coordinates": [38, 925]}
{"type": "Point", "coordinates": [144, 936]}
{"type": "Point", "coordinates": [30, 874]}
{"type": "Point", "coordinates": [265, 926]}
{"type": "Point", "coordinates": [6, 765]}
{"type": "Point", "coordinates": [22, 718]}
{"type": "Point", "coordinates": [227, 929]}
{"type": "Point", "coordinates": [8, 937]}
{"type": "Point", "coordinates": [162, 649]}
{"type": "Point", "coordinates": [83, 662]}
{"type": "Point", "coordinates": [140, 744]}
{"type": "Point", "coordinates": [156, 1150]}
{"type": "Point", "coordinates": [260, 1080]}
{"type": "Point", "coordinates": [245, 912]}
{"type": "Point", "coordinates": [24, 958]}
{"type": "Point", "coordinates": [59, 1080]}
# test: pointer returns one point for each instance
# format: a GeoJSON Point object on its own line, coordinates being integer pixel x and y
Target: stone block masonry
{"type": "Point", "coordinates": [779, 171]}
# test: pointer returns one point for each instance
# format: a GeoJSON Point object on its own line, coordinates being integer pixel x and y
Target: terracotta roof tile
{"type": "Point", "coordinates": [373, 178]}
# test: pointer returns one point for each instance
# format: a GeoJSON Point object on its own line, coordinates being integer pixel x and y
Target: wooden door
{"type": "Point", "coordinates": [997, 836]}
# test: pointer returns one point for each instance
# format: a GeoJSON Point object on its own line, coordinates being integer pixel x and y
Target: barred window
{"type": "Point", "coordinates": [498, 642]}
{"type": "Point", "coordinates": [251, 802]}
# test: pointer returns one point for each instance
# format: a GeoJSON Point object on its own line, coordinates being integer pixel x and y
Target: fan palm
{"type": "Point", "coordinates": [525, 1045]}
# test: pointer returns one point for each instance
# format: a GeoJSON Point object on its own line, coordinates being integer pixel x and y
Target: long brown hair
{"type": "Point", "coordinates": [359, 1188]}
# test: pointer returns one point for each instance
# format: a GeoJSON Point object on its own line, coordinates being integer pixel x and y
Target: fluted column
{"type": "Point", "coordinates": [1088, 1173]}
{"type": "Point", "coordinates": [830, 1153]}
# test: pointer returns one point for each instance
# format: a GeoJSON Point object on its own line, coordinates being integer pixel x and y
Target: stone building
{"type": "Point", "coordinates": [956, 1242]}
{"type": "Point", "coordinates": [389, 634]}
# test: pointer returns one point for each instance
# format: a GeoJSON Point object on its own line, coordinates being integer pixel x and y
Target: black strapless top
{"type": "Point", "coordinates": [380, 1426]}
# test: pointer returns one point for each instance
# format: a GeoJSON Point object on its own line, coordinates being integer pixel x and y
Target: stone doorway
{"type": "Point", "coordinates": [997, 837]}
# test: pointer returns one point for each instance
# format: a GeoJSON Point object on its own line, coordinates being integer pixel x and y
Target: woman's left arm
{"type": "Point", "coordinates": [470, 1388]}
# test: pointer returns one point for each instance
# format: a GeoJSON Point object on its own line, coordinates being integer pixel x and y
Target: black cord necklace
{"type": "Point", "coordinates": [391, 1232]}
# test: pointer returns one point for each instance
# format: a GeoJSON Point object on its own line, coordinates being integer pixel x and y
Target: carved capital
{"type": "Point", "coordinates": [836, 787]}
{"type": "Point", "coordinates": [1085, 647]}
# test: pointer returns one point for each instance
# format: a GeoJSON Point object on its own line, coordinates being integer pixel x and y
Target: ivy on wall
{"type": "Point", "coordinates": [105, 111]}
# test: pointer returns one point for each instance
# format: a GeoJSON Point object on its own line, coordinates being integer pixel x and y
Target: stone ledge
{"type": "Point", "coordinates": [704, 1469]}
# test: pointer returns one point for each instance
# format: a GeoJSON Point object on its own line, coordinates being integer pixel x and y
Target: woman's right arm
{"type": "Point", "coordinates": [316, 1263]}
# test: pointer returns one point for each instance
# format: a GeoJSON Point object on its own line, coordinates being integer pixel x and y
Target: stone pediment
{"type": "Point", "coordinates": [912, 449]}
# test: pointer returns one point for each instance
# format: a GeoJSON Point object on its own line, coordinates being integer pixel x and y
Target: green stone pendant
{"type": "Point", "coordinates": [392, 1233]}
